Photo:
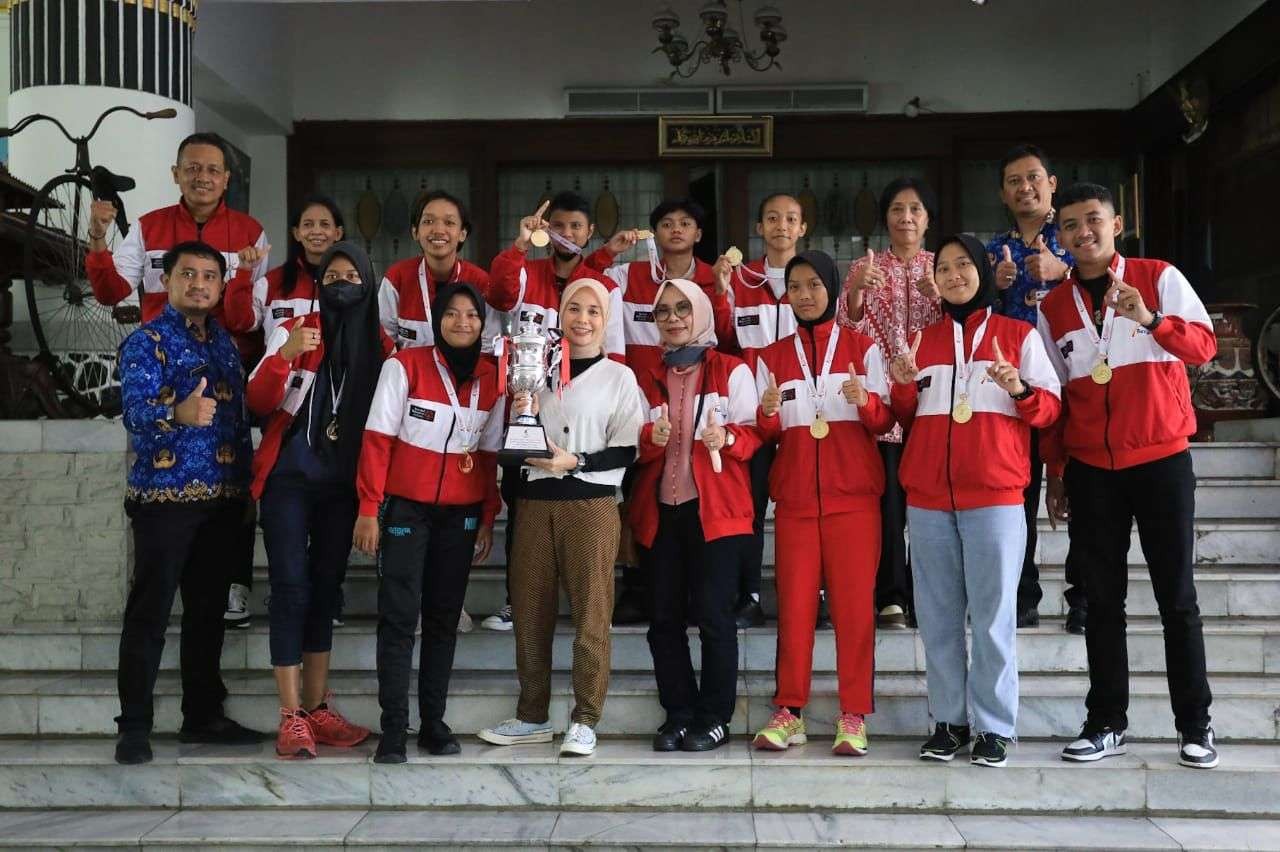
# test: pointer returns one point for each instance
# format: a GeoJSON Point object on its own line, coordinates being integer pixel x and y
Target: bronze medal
{"type": "Point", "coordinates": [1101, 373]}
{"type": "Point", "coordinates": [962, 412]}
{"type": "Point", "coordinates": [819, 428]}
{"type": "Point", "coordinates": [331, 431]}
{"type": "Point", "coordinates": [466, 464]}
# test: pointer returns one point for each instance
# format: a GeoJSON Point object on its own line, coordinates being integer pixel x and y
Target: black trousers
{"type": "Point", "coordinates": [1160, 496]}
{"type": "Point", "coordinates": [177, 546]}
{"type": "Point", "coordinates": [1029, 591]}
{"type": "Point", "coordinates": [307, 530]}
{"type": "Point", "coordinates": [753, 553]}
{"type": "Point", "coordinates": [679, 562]}
{"type": "Point", "coordinates": [509, 488]}
{"type": "Point", "coordinates": [426, 558]}
{"type": "Point", "coordinates": [893, 576]}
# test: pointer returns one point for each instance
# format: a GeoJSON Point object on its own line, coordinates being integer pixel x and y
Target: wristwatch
{"type": "Point", "coordinates": [1156, 319]}
{"type": "Point", "coordinates": [1026, 392]}
{"type": "Point", "coordinates": [582, 461]}
{"type": "Point", "coordinates": [729, 438]}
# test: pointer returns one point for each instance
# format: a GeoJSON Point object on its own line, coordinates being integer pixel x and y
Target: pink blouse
{"type": "Point", "coordinates": [677, 484]}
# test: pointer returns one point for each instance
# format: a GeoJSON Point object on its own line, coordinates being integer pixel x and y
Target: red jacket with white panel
{"type": "Point", "coordinates": [529, 290]}
{"type": "Point", "coordinates": [265, 305]}
{"type": "Point", "coordinates": [277, 390]}
{"type": "Point", "coordinates": [640, 293]}
{"type": "Point", "coordinates": [412, 445]}
{"type": "Point", "coordinates": [842, 472]}
{"type": "Point", "coordinates": [762, 313]}
{"type": "Point", "coordinates": [405, 295]}
{"type": "Point", "coordinates": [115, 275]}
{"type": "Point", "coordinates": [724, 499]}
{"type": "Point", "coordinates": [1144, 413]}
{"type": "Point", "coordinates": [950, 466]}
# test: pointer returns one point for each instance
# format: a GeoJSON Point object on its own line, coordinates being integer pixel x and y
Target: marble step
{"type": "Point", "coordinates": [1230, 499]}
{"type": "Point", "coordinates": [1245, 707]}
{"type": "Point", "coordinates": [576, 829]}
{"type": "Point", "coordinates": [1229, 460]}
{"type": "Point", "coordinates": [1236, 646]}
{"type": "Point", "coordinates": [626, 774]}
{"type": "Point", "coordinates": [1236, 590]}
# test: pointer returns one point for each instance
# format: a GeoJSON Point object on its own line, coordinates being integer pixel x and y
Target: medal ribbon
{"type": "Point", "coordinates": [819, 387]}
{"type": "Point", "coordinates": [1103, 341]}
{"type": "Point", "coordinates": [422, 283]}
{"type": "Point", "coordinates": [964, 365]}
{"type": "Point", "coordinates": [458, 418]}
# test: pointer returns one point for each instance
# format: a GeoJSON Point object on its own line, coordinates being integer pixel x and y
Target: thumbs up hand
{"type": "Point", "coordinates": [1006, 269]}
{"type": "Point", "coordinates": [196, 409]}
{"type": "Point", "coordinates": [771, 399]}
{"type": "Point", "coordinates": [927, 286]}
{"type": "Point", "coordinates": [869, 276]}
{"type": "Point", "coordinates": [1003, 373]}
{"type": "Point", "coordinates": [903, 368]}
{"type": "Point", "coordinates": [1043, 266]}
{"type": "Point", "coordinates": [854, 392]}
{"type": "Point", "coordinates": [662, 428]}
{"type": "Point", "coordinates": [714, 436]}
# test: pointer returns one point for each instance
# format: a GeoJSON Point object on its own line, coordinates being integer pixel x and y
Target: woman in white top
{"type": "Point", "coordinates": [569, 524]}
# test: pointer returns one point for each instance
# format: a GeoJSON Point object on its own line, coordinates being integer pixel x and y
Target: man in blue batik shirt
{"type": "Point", "coordinates": [1028, 263]}
{"type": "Point", "coordinates": [183, 392]}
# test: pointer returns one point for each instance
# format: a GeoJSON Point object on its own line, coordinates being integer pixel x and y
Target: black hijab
{"type": "Point", "coordinates": [462, 362]}
{"type": "Point", "coordinates": [353, 354]}
{"type": "Point", "coordinates": [986, 295]}
{"type": "Point", "coordinates": [826, 269]}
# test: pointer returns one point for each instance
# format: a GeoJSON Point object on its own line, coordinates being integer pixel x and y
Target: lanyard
{"type": "Point", "coordinates": [819, 387]}
{"type": "Point", "coordinates": [964, 366]}
{"type": "Point", "coordinates": [1103, 341]}
{"type": "Point", "coordinates": [467, 433]}
{"type": "Point", "coordinates": [422, 283]}
{"type": "Point", "coordinates": [657, 271]}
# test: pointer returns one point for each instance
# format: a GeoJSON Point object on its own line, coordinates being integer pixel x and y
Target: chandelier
{"type": "Point", "coordinates": [722, 44]}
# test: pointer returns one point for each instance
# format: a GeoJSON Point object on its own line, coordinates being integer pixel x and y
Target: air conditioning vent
{"type": "Point", "coordinates": [835, 97]}
{"type": "Point", "coordinates": [587, 102]}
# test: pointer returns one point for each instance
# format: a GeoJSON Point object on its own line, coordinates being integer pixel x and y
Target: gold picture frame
{"type": "Point", "coordinates": [715, 136]}
{"type": "Point", "coordinates": [1129, 206]}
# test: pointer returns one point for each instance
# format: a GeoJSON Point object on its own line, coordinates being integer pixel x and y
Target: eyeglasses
{"type": "Point", "coordinates": [194, 170]}
{"type": "Point", "coordinates": [351, 277]}
{"type": "Point", "coordinates": [662, 313]}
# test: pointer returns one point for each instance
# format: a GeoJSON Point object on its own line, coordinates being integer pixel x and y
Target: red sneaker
{"type": "Point", "coordinates": [295, 739]}
{"type": "Point", "coordinates": [330, 728]}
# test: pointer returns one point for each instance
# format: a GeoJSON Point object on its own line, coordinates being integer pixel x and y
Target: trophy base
{"type": "Point", "coordinates": [524, 442]}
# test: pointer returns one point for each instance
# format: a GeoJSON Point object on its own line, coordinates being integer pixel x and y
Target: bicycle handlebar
{"type": "Point", "coordinates": [32, 119]}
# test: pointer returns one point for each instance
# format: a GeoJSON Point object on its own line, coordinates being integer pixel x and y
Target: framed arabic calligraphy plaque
{"type": "Point", "coordinates": [715, 136]}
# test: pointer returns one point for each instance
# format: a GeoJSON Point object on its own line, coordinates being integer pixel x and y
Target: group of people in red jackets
{"type": "Point", "coordinates": [695, 395]}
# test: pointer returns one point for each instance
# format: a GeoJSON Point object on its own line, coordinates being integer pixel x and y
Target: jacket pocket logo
{"type": "Point", "coordinates": [421, 412]}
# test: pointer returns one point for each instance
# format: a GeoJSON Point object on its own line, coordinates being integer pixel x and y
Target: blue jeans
{"type": "Point", "coordinates": [306, 527]}
{"type": "Point", "coordinates": [969, 561]}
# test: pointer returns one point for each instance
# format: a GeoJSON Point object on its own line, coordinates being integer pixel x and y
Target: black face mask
{"type": "Point", "coordinates": [341, 295]}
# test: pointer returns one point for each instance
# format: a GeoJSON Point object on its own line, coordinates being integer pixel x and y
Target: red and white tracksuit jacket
{"type": "Point", "coordinates": [115, 276]}
{"type": "Point", "coordinates": [277, 389]}
{"type": "Point", "coordinates": [950, 466]}
{"type": "Point", "coordinates": [263, 304]}
{"type": "Point", "coordinates": [724, 498]}
{"type": "Point", "coordinates": [640, 293]}
{"type": "Point", "coordinates": [529, 291]}
{"type": "Point", "coordinates": [404, 298]}
{"type": "Point", "coordinates": [761, 317]}
{"type": "Point", "coordinates": [1144, 413]}
{"type": "Point", "coordinates": [414, 446]}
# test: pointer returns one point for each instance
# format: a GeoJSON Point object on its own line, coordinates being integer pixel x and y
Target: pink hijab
{"type": "Point", "coordinates": [703, 318]}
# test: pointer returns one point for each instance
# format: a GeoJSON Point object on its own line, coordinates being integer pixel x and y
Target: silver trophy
{"type": "Point", "coordinates": [527, 371]}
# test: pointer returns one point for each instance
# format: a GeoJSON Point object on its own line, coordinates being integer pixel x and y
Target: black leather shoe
{"type": "Point", "coordinates": [824, 616]}
{"type": "Point", "coordinates": [438, 739]}
{"type": "Point", "coordinates": [391, 748]}
{"type": "Point", "coordinates": [133, 748]}
{"type": "Point", "coordinates": [705, 739]}
{"type": "Point", "coordinates": [219, 730]}
{"type": "Point", "coordinates": [669, 736]}
{"type": "Point", "coordinates": [1076, 616]}
{"type": "Point", "coordinates": [630, 609]}
{"type": "Point", "coordinates": [749, 614]}
{"type": "Point", "coordinates": [1029, 617]}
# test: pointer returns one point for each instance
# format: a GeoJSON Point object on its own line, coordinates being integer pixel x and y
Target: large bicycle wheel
{"type": "Point", "coordinates": [78, 337]}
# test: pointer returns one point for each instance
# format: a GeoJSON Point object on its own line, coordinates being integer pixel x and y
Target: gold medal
{"type": "Point", "coordinates": [819, 428]}
{"type": "Point", "coordinates": [1101, 372]}
{"type": "Point", "coordinates": [539, 238]}
{"type": "Point", "coordinates": [962, 412]}
{"type": "Point", "coordinates": [466, 463]}
{"type": "Point", "coordinates": [331, 431]}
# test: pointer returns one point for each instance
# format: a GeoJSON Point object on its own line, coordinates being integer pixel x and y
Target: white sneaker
{"type": "Point", "coordinates": [579, 739]}
{"type": "Point", "coordinates": [516, 732]}
{"type": "Point", "coordinates": [500, 620]}
{"type": "Point", "coordinates": [464, 623]}
{"type": "Point", "coordinates": [237, 614]}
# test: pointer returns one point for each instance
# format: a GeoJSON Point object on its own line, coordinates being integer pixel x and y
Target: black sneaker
{"type": "Point", "coordinates": [1029, 617]}
{"type": "Point", "coordinates": [669, 736]}
{"type": "Point", "coordinates": [133, 748]}
{"type": "Point", "coordinates": [339, 604]}
{"type": "Point", "coordinates": [438, 739]}
{"type": "Point", "coordinates": [1095, 744]}
{"type": "Point", "coordinates": [946, 741]}
{"type": "Point", "coordinates": [1076, 617]}
{"type": "Point", "coordinates": [824, 615]}
{"type": "Point", "coordinates": [630, 609]}
{"type": "Point", "coordinates": [1198, 750]}
{"type": "Point", "coordinates": [391, 748]}
{"type": "Point", "coordinates": [705, 739]}
{"type": "Point", "coordinates": [749, 614]}
{"type": "Point", "coordinates": [989, 750]}
{"type": "Point", "coordinates": [219, 730]}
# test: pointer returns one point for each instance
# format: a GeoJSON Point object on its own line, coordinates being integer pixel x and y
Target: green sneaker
{"type": "Point", "coordinates": [784, 729]}
{"type": "Point", "coordinates": [851, 735]}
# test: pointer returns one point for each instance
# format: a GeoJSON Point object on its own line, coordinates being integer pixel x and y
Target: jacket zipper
{"type": "Point", "coordinates": [817, 444]}
{"type": "Point", "coordinates": [951, 422]}
{"type": "Point", "coordinates": [444, 456]}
